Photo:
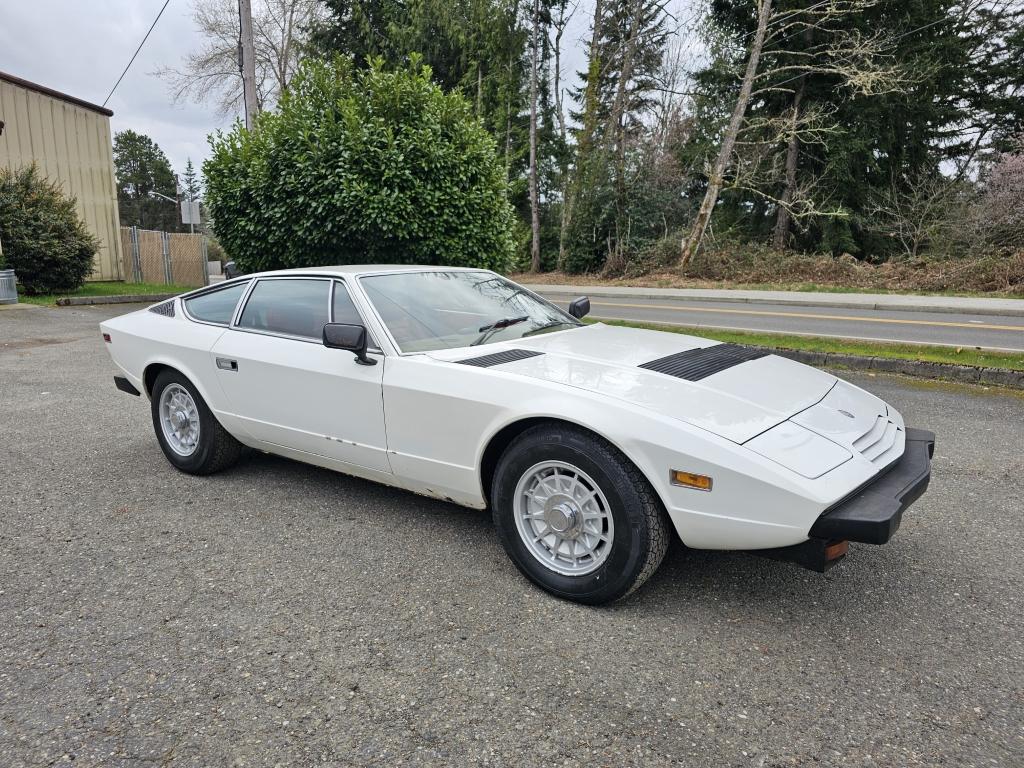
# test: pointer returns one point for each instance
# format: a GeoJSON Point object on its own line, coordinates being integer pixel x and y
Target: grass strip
{"type": "Point", "coordinates": [951, 355]}
{"type": "Point", "coordinates": [106, 289]}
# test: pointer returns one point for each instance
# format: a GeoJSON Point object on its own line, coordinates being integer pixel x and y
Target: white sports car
{"type": "Point", "coordinates": [588, 442]}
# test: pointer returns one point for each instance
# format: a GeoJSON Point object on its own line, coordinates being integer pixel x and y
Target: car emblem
{"type": "Point", "coordinates": [847, 414]}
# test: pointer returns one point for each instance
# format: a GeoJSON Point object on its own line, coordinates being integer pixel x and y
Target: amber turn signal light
{"type": "Point", "coordinates": [690, 480]}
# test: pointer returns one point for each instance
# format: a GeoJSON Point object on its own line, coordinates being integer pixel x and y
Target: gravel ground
{"type": "Point", "coordinates": [279, 614]}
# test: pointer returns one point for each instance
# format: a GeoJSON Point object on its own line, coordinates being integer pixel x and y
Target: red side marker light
{"type": "Point", "coordinates": [106, 337]}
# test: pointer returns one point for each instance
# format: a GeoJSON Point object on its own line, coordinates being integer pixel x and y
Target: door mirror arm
{"type": "Point", "coordinates": [348, 337]}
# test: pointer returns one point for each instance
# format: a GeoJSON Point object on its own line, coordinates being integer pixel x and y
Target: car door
{"type": "Point", "coordinates": [290, 390]}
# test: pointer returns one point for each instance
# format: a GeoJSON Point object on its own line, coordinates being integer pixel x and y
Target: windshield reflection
{"type": "Point", "coordinates": [443, 310]}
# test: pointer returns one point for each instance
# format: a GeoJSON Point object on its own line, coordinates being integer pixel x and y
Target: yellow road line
{"type": "Point", "coordinates": [763, 313]}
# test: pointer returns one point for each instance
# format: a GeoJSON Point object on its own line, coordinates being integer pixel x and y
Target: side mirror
{"type": "Point", "coordinates": [349, 337]}
{"type": "Point", "coordinates": [580, 308]}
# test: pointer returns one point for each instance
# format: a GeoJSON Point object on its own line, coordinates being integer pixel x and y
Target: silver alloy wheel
{"type": "Point", "coordinates": [563, 518]}
{"type": "Point", "coordinates": [179, 418]}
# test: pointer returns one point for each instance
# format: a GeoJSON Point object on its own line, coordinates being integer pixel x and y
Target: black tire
{"type": "Point", "coordinates": [640, 531]}
{"type": "Point", "coordinates": [216, 449]}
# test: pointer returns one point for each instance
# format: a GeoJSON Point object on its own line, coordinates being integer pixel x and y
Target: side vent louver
{"type": "Point", "coordinates": [166, 309]}
{"type": "Point", "coordinates": [697, 364]}
{"type": "Point", "coordinates": [497, 358]}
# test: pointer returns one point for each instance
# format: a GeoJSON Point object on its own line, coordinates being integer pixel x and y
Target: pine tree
{"type": "Point", "coordinates": [191, 185]}
{"type": "Point", "coordinates": [143, 174]}
{"type": "Point", "coordinates": [626, 49]}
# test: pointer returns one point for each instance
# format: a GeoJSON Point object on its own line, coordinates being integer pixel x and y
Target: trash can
{"type": "Point", "coordinates": [8, 289]}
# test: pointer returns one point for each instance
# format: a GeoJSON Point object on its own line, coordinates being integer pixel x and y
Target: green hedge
{"type": "Point", "coordinates": [44, 241]}
{"type": "Point", "coordinates": [361, 167]}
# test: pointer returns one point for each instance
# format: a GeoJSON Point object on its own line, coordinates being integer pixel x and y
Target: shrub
{"type": "Point", "coordinates": [360, 167]}
{"type": "Point", "coordinates": [44, 241]}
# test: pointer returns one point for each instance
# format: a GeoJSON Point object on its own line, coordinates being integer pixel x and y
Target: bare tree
{"type": "Point", "coordinates": [559, 24]}
{"type": "Point", "coordinates": [862, 64]}
{"type": "Point", "coordinates": [211, 72]}
{"type": "Point", "coordinates": [916, 212]}
{"type": "Point", "coordinates": [717, 175]}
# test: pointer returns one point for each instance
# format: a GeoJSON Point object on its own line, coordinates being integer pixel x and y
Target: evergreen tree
{"type": "Point", "coordinates": [962, 93]}
{"type": "Point", "coordinates": [190, 182]}
{"type": "Point", "coordinates": [144, 173]}
{"type": "Point", "coordinates": [625, 53]}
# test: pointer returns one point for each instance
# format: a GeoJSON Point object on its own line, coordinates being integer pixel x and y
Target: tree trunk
{"type": "Point", "coordinates": [716, 179]}
{"type": "Point", "coordinates": [617, 128]}
{"type": "Point", "coordinates": [534, 196]}
{"type": "Point", "coordinates": [589, 126]}
{"type": "Point", "coordinates": [782, 218]}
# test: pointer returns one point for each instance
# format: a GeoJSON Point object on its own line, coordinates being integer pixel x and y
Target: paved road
{"type": "Point", "coordinates": [913, 327]}
{"type": "Point", "coordinates": [282, 614]}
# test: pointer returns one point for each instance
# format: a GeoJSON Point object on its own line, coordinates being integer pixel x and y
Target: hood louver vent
{"type": "Point", "coordinates": [697, 364]}
{"type": "Point", "coordinates": [508, 356]}
{"type": "Point", "coordinates": [166, 309]}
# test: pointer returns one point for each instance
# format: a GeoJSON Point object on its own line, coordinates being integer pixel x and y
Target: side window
{"type": "Point", "coordinates": [344, 311]}
{"type": "Point", "coordinates": [292, 307]}
{"type": "Point", "coordinates": [217, 306]}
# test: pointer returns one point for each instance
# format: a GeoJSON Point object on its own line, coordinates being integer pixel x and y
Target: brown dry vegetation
{"type": "Point", "coordinates": [996, 274]}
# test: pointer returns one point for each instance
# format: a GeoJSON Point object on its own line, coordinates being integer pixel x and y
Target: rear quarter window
{"type": "Point", "coordinates": [216, 306]}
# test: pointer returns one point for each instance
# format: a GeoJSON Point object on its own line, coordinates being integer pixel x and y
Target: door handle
{"type": "Point", "coordinates": [227, 365]}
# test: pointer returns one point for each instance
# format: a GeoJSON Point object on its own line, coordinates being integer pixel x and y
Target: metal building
{"type": "Point", "coordinates": [69, 139]}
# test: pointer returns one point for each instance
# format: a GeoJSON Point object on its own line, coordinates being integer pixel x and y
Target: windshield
{"type": "Point", "coordinates": [443, 310]}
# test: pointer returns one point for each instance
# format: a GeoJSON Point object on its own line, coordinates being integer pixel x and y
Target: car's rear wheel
{"type": "Point", "coordinates": [576, 516]}
{"type": "Point", "coordinates": [190, 436]}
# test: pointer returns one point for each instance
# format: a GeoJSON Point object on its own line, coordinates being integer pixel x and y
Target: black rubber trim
{"type": "Point", "coordinates": [125, 386]}
{"type": "Point", "coordinates": [697, 364]}
{"type": "Point", "coordinates": [872, 513]}
{"type": "Point", "coordinates": [811, 554]}
{"type": "Point", "coordinates": [497, 358]}
{"type": "Point", "coordinates": [166, 308]}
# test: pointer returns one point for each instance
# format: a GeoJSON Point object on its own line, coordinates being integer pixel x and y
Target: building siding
{"type": "Point", "coordinates": [72, 146]}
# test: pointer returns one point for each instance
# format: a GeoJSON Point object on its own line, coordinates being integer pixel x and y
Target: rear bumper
{"type": "Point", "coordinates": [872, 514]}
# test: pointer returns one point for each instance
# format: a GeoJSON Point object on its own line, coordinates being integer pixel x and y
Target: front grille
{"type": "Point", "coordinates": [875, 444]}
{"type": "Point", "coordinates": [166, 309]}
{"type": "Point", "coordinates": [497, 358]}
{"type": "Point", "coordinates": [697, 364]}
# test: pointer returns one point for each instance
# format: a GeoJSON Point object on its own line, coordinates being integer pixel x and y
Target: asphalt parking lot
{"type": "Point", "coordinates": [280, 614]}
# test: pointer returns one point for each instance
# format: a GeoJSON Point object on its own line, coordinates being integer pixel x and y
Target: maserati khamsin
{"type": "Point", "coordinates": [588, 443]}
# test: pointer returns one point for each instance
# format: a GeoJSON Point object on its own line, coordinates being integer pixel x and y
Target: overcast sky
{"type": "Point", "coordinates": [80, 47]}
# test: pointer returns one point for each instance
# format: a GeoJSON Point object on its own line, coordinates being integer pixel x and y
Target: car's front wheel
{"type": "Point", "coordinates": [576, 516]}
{"type": "Point", "coordinates": [191, 437]}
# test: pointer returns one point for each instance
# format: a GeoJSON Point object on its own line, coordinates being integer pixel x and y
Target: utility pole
{"type": "Point", "coordinates": [247, 61]}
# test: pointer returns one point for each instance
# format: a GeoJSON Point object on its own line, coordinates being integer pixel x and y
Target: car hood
{"type": "Point", "coordinates": [737, 403]}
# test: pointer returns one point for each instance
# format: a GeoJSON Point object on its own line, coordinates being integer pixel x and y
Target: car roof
{"type": "Point", "coordinates": [354, 270]}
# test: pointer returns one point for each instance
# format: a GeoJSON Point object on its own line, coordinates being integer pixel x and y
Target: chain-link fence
{"type": "Point", "coordinates": [164, 257]}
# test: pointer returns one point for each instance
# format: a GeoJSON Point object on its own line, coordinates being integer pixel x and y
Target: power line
{"type": "Point", "coordinates": [136, 53]}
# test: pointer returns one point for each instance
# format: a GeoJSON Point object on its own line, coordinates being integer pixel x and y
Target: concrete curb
{"type": "Point", "coordinates": [141, 298]}
{"type": "Point", "coordinates": [965, 374]}
{"type": "Point", "coordinates": [893, 302]}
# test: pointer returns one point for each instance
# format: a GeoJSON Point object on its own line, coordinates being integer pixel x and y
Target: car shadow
{"type": "Point", "coordinates": [687, 578]}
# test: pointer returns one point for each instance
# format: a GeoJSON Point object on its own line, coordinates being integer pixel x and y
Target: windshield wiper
{"type": "Point", "coordinates": [552, 324]}
{"type": "Point", "coordinates": [486, 331]}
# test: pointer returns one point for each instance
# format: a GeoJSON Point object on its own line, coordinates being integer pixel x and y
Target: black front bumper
{"type": "Point", "coordinates": [872, 513]}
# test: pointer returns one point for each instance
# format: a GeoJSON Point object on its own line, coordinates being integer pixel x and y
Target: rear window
{"type": "Point", "coordinates": [216, 306]}
{"type": "Point", "coordinates": [292, 307]}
